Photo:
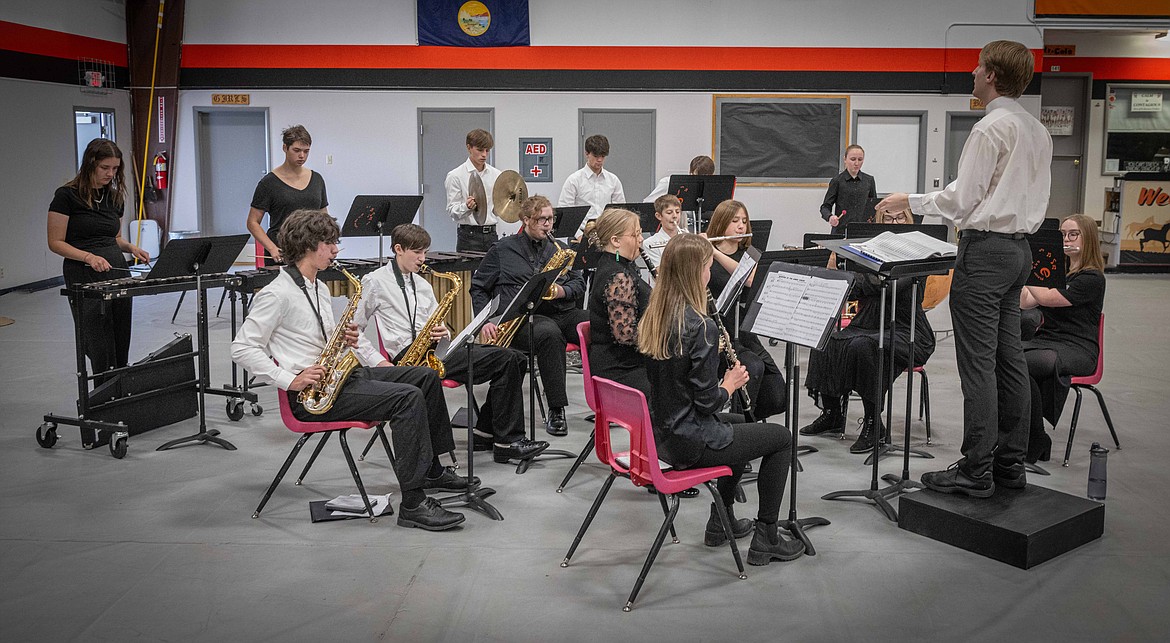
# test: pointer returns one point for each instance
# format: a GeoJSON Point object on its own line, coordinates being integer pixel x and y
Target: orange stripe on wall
{"type": "Point", "coordinates": [601, 58]}
{"type": "Point", "coordinates": [58, 44]}
{"type": "Point", "coordinates": [1130, 8]}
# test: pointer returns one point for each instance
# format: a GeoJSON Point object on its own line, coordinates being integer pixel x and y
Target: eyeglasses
{"type": "Point", "coordinates": [1071, 234]}
{"type": "Point", "coordinates": [894, 218]}
{"type": "Point", "coordinates": [541, 220]}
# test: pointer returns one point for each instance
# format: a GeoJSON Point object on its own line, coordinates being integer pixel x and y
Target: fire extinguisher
{"type": "Point", "coordinates": [160, 170]}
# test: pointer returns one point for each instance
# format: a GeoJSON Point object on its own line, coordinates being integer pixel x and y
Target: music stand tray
{"type": "Point", "coordinates": [701, 193]}
{"type": "Point", "coordinates": [567, 220]}
{"type": "Point", "coordinates": [645, 212]}
{"type": "Point", "coordinates": [1048, 264]}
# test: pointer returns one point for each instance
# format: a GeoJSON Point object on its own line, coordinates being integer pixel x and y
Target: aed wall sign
{"type": "Point", "coordinates": [231, 99]}
{"type": "Point", "coordinates": [536, 160]}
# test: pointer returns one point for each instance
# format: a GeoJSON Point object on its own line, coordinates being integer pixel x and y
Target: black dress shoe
{"type": "Point", "coordinates": [449, 481]}
{"type": "Point", "coordinates": [1009, 477]}
{"type": "Point", "coordinates": [521, 449]}
{"type": "Point", "coordinates": [556, 424]}
{"type": "Point", "coordinates": [955, 480]}
{"type": "Point", "coordinates": [429, 515]}
{"type": "Point", "coordinates": [825, 423]}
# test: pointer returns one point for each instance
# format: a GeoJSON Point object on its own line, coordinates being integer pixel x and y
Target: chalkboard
{"type": "Point", "coordinates": [780, 139]}
{"type": "Point", "coordinates": [1137, 128]}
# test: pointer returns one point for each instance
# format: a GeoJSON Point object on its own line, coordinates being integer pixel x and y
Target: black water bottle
{"type": "Point", "coordinates": [1098, 457]}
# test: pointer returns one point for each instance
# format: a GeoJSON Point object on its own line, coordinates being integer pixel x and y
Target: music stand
{"type": "Point", "coordinates": [1048, 260]}
{"type": "Point", "coordinates": [567, 220]}
{"type": "Point", "coordinates": [761, 232]}
{"type": "Point", "coordinates": [889, 273]}
{"type": "Point", "coordinates": [645, 212]}
{"type": "Point", "coordinates": [472, 497]}
{"type": "Point", "coordinates": [814, 239]}
{"type": "Point", "coordinates": [799, 306]}
{"type": "Point", "coordinates": [198, 257]}
{"type": "Point", "coordinates": [373, 215]}
{"type": "Point", "coordinates": [524, 303]}
{"type": "Point", "coordinates": [696, 190]}
{"type": "Point", "coordinates": [865, 230]}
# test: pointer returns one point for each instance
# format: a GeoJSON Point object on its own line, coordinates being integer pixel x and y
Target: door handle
{"type": "Point", "coordinates": [1076, 162]}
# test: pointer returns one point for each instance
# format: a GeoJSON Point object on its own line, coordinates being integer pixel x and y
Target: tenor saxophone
{"type": "Point", "coordinates": [337, 360]}
{"type": "Point", "coordinates": [563, 258]}
{"type": "Point", "coordinates": [422, 349]}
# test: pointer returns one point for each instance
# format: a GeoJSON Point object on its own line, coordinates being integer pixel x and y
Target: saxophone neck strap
{"type": "Point", "coordinates": [299, 280]}
{"type": "Point", "coordinates": [412, 313]}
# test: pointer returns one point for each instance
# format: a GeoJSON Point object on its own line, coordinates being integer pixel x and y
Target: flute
{"type": "Point", "coordinates": [662, 244]}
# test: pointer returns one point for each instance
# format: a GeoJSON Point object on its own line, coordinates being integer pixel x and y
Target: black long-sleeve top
{"type": "Point", "coordinates": [848, 195]}
{"type": "Point", "coordinates": [685, 394]}
{"type": "Point", "coordinates": [510, 263]}
{"type": "Point", "coordinates": [617, 300]}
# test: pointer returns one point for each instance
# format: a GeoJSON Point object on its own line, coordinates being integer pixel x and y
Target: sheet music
{"type": "Point", "coordinates": [472, 326]}
{"type": "Point", "coordinates": [889, 247]}
{"type": "Point", "coordinates": [798, 308]}
{"type": "Point", "coordinates": [747, 263]}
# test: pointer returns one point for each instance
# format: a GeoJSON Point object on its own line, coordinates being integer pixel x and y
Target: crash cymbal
{"type": "Point", "coordinates": [475, 187]}
{"type": "Point", "coordinates": [509, 192]}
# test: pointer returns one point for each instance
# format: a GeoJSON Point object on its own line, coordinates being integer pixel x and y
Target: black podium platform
{"type": "Point", "coordinates": [1020, 527]}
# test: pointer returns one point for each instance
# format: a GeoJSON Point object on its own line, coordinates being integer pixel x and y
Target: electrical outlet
{"type": "Point", "coordinates": [328, 159]}
{"type": "Point", "coordinates": [936, 182]}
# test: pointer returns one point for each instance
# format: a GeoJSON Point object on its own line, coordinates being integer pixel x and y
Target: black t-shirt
{"type": "Point", "coordinates": [1077, 324]}
{"type": "Point", "coordinates": [279, 199]}
{"type": "Point", "coordinates": [90, 228]}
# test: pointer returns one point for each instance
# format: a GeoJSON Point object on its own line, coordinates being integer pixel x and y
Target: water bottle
{"type": "Point", "coordinates": [1098, 456]}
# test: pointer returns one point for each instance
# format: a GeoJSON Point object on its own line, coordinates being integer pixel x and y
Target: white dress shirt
{"type": "Point", "coordinates": [1004, 175]}
{"type": "Point", "coordinates": [282, 326]}
{"type": "Point", "coordinates": [583, 187]}
{"type": "Point", "coordinates": [384, 302]}
{"type": "Point", "coordinates": [659, 190]}
{"type": "Point", "coordinates": [655, 254]}
{"type": "Point", "coordinates": [457, 186]}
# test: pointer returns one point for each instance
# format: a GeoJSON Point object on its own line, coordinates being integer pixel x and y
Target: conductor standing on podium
{"type": "Point", "coordinates": [999, 196]}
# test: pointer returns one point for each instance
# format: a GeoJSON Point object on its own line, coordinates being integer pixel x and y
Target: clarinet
{"type": "Point", "coordinates": [729, 354]}
{"type": "Point", "coordinates": [649, 263]}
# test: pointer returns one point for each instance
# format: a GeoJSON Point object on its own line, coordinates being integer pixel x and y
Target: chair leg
{"type": "Point", "coordinates": [280, 474]}
{"type": "Point", "coordinates": [354, 472]}
{"type": "Point", "coordinates": [1105, 412]}
{"type": "Point", "coordinates": [222, 297]}
{"type": "Point", "coordinates": [580, 458]}
{"type": "Point", "coordinates": [1072, 428]}
{"type": "Point", "coordinates": [670, 514]}
{"type": "Point", "coordinates": [924, 404]}
{"type": "Point", "coordinates": [666, 512]}
{"type": "Point", "coordinates": [381, 432]}
{"type": "Point", "coordinates": [313, 458]}
{"type": "Point", "coordinates": [589, 516]}
{"type": "Point", "coordinates": [723, 518]}
{"type": "Point", "coordinates": [369, 445]}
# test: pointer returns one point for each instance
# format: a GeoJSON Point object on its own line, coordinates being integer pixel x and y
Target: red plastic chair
{"type": "Point", "coordinates": [584, 334]}
{"type": "Point", "coordinates": [309, 429]}
{"type": "Point", "coordinates": [1090, 382]}
{"type": "Point", "coordinates": [626, 407]}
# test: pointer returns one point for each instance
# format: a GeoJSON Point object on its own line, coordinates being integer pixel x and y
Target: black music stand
{"type": "Point", "coordinates": [813, 239]}
{"type": "Point", "coordinates": [889, 273]}
{"type": "Point", "coordinates": [524, 303]}
{"type": "Point", "coordinates": [374, 216]}
{"type": "Point", "coordinates": [1048, 260]}
{"type": "Point", "coordinates": [198, 257]}
{"type": "Point", "coordinates": [697, 190]}
{"type": "Point", "coordinates": [645, 212]}
{"type": "Point", "coordinates": [567, 220]}
{"type": "Point", "coordinates": [799, 306]}
{"type": "Point", "coordinates": [473, 496]}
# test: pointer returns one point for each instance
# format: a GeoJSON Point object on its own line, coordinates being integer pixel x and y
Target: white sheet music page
{"type": "Point", "coordinates": [747, 263]}
{"type": "Point", "coordinates": [778, 298]}
{"type": "Point", "coordinates": [475, 323]}
{"type": "Point", "coordinates": [797, 308]}
{"type": "Point", "coordinates": [888, 247]}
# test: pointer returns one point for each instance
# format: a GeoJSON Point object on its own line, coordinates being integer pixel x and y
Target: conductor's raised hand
{"type": "Point", "coordinates": [896, 202]}
{"type": "Point", "coordinates": [307, 378]}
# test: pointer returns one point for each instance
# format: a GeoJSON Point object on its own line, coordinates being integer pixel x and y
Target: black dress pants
{"type": "Point", "coordinates": [474, 237]}
{"type": "Point", "coordinates": [551, 334]}
{"type": "Point", "coordinates": [502, 418]}
{"type": "Point", "coordinates": [773, 443]}
{"type": "Point", "coordinates": [410, 400]}
{"type": "Point", "coordinates": [105, 325]}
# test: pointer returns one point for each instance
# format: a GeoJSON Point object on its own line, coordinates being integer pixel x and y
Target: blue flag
{"type": "Point", "coordinates": [478, 23]}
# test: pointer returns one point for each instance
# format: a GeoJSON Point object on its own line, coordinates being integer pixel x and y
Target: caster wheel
{"type": "Point", "coordinates": [47, 435]}
{"type": "Point", "coordinates": [118, 448]}
{"type": "Point", "coordinates": [257, 410]}
{"type": "Point", "coordinates": [235, 410]}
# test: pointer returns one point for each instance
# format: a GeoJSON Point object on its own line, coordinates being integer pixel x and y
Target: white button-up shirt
{"type": "Point", "coordinates": [1004, 175]}
{"type": "Point", "coordinates": [458, 189]}
{"type": "Point", "coordinates": [282, 326]}
{"type": "Point", "coordinates": [583, 187]}
{"type": "Point", "coordinates": [384, 302]}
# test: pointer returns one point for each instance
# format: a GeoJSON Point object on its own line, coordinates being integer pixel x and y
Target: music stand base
{"type": "Point", "coordinates": [877, 496]}
{"type": "Point", "coordinates": [903, 484]}
{"type": "Point", "coordinates": [473, 499]}
{"type": "Point", "coordinates": [203, 437]}
{"type": "Point", "coordinates": [551, 453]}
{"type": "Point", "coordinates": [797, 526]}
{"type": "Point", "coordinates": [891, 449]}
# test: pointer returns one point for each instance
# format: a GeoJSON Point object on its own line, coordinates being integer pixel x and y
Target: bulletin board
{"type": "Point", "coordinates": [780, 139]}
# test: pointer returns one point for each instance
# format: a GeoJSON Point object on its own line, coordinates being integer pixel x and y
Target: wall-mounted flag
{"type": "Point", "coordinates": [477, 23]}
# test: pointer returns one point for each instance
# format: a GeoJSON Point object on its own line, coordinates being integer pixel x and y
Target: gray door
{"type": "Point", "coordinates": [232, 152]}
{"type": "Point", "coordinates": [1068, 150]}
{"type": "Point", "coordinates": [631, 146]}
{"type": "Point", "coordinates": [442, 146]}
{"type": "Point", "coordinates": [959, 126]}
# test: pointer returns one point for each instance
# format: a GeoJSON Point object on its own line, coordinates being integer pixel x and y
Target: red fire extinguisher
{"type": "Point", "coordinates": [160, 170]}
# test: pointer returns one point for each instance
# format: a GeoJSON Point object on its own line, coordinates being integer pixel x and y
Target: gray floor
{"type": "Point", "coordinates": [161, 545]}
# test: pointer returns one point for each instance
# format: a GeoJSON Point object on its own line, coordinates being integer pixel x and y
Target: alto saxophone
{"type": "Point", "coordinates": [337, 360]}
{"type": "Point", "coordinates": [563, 258]}
{"type": "Point", "coordinates": [422, 349]}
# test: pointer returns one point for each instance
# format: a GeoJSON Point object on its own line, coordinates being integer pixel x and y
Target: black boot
{"type": "Point", "coordinates": [865, 437]}
{"type": "Point", "coordinates": [715, 536]}
{"type": "Point", "coordinates": [556, 424]}
{"type": "Point", "coordinates": [768, 545]}
{"type": "Point", "coordinates": [827, 422]}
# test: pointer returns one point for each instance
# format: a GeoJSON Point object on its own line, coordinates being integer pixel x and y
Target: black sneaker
{"type": "Point", "coordinates": [556, 424]}
{"type": "Point", "coordinates": [449, 481]}
{"type": "Point", "coordinates": [429, 515]}
{"type": "Point", "coordinates": [955, 480]}
{"type": "Point", "coordinates": [825, 423]}
{"type": "Point", "coordinates": [1009, 477]}
{"type": "Point", "coordinates": [714, 536]}
{"type": "Point", "coordinates": [521, 449]}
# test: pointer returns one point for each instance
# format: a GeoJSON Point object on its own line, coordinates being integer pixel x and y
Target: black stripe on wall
{"type": "Point", "coordinates": [50, 69]}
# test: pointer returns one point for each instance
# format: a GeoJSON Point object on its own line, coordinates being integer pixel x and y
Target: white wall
{"type": "Point", "coordinates": [104, 19]}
